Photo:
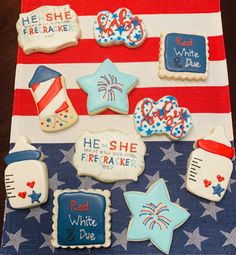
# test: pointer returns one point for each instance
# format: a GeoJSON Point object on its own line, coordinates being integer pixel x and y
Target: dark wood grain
{"type": "Point", "coordinates": [9, 10]}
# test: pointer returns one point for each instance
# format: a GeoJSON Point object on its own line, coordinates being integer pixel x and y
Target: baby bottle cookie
{"type": "Point", "coordinates": [210, 166]}
{"type": "Point", "coordinates": [26, 176]}
{"type": "Point", "coordinates": [55, 109]}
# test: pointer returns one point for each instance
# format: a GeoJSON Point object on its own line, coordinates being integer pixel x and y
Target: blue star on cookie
{"type": "Point", "coordinates": [154, 216]}
{"type": "Point", "coordinates": [107, 88]}
{"type": "Point", "coordinates": [217, 190]}
{"type": "Point", "coordinates": [35, 197]}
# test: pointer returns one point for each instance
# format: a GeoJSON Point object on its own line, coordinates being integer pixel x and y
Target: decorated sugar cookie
{"type": "Point", "coordinates": [107, 88]}
{"type": "Point", "coordinates": [55, 109]}
{"type": "Point", "coordinates": [26, 176]}
{"type": "Point", "coordinates": [154, 216]}
{"type": "Point", "coordinates": [210, 166]}
{"type": "Point", "coordinates": [162, 117]}
{"type": "Point", "coordinates": [48, 29]}
{"type": "Point", "coordinates": [109, 155]}
{"type": "Point", "coordinates": [121, 27]}
{"type": "Point", "coordinates": [81, 219]}
{"type": "Point", "coordinates": [183, 56]}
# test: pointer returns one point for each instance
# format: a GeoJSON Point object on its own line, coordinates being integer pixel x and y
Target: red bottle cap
{"type": "Point", "coordinates": [216, 148]}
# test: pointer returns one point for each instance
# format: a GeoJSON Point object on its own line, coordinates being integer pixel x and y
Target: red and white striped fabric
{"type": "Point", "coordinates": [208, 101]}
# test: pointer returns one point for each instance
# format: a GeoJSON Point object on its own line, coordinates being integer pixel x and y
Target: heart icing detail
{"type": "Point", "coordinates": [220, 178]}
{"type": "Point", "coordinates": [163, 116]}
{"type": "Point", "coordinates": [207, 183]}
{"type": "Point", "coordinates": [22, 194]}
{"type": "Point", "coordinates": [30, 184]}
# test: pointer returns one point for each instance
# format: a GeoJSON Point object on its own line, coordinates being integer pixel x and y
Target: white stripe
{"type": "Point", "coordinates": [29, 126]}
{"type": "Point", "coordinates": [145, 71]}
{"type": "Point", "coordinates": [56, 102]}
{"type": "Point", "coordinates": [206, 24]}
{"type": "Point", "coordinates": [42, 89]}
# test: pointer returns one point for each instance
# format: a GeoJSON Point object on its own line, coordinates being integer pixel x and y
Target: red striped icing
{"type": "Point", "coordinates": [196, 99]}
{"type": "Point", "coordinates": [88, 51]}
{"type": "Point", "coordinates": [50, 94]}
{"type": "Point", "coordinates": [86, 7]}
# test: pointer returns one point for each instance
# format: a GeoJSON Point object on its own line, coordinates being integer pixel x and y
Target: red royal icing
{"type": "Point", "coordinates": [220, 178]}
{"type": "Point", "coordinates": [30, 184]}
{"type": "Point", "coordinates": [22, 194]}
{"type": "Point", "coordinates": [207, 183]}
{"type": "Point", "coordinates": [216, 148]}
{"type": "Point", "coordinates": [62, 108]}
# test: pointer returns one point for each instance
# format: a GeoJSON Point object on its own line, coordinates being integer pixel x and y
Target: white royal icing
{"type": "Point", "coordinates": [121, 27]}
{"type": "Point", "coordinates": [26, 181]}
{"type": "Point", "coordinates": [109, 155]}
{"type": "Point", "coordinates": [48, 29]}
{"type": "Point", "coordinates": [208, 173]}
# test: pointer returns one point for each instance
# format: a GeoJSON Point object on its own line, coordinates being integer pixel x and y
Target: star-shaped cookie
{"type": "Point", "coordinates": [107, 88]}
{"type": "Point", "coordinates": [154, 216]}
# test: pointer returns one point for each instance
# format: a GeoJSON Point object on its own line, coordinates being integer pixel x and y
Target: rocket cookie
{"type": "Point", "coordinates": [48, 29]}
{"type": "Point", "coordinates": [81, 219]}
{"type": "Point", "coordinates": [55, 109]}
{"type": "Point", "coordinates": [26, 176]}
{"type": "Point", "coordinates": [210, 166]}
{"type": "Point", "coordinates": [183, 57]}
{"type": "Point", "coordinates": [120, 27]}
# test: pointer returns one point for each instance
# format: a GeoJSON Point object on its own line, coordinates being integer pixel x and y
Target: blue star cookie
{"type": "Point", "coordinates": [107, 88]}
{"type": "Point", "coordinates": [35, 197]}
{"type": "Point", "coordinates": [154, 216]}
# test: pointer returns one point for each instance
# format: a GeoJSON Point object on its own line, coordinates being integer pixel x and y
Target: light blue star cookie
{"type": "Point", "coordinates": [154, 216]}
{"type": "Point", "coordinates": [107, 88]}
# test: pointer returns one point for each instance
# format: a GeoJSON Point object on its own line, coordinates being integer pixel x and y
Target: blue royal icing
{"type": "Point", "coordinates": [35, 197]}
{"type": "Point", "coordinates": [81, 219]}
{"type": "Point", "coordinates": [163, 116]}
{"type": "Point", "coordinates": [43, 74]}
{"type": "Point", "coordinates": [22, 155]}
{"type": "Point", "coordinates": [154, 216]}
{"type": "Point", "coordinates": [107, 88]}
{"type": "Point", "coordinates": [185, 53]}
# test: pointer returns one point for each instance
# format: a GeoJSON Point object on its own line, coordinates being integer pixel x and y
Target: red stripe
{"type": "Point", "coordinates": [51, 93]}
{"type": "Point", "coordinates": [196, 99]}
{"type": "Point", "coordinates": [86, 7]}
{"type": "Point", "coordinates": [88, 51]}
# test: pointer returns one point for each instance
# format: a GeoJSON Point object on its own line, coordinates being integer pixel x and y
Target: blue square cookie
{"type": "Point", "coordinates": [183, 56]}
{"type": "Point", "coordinates": [81, 219]}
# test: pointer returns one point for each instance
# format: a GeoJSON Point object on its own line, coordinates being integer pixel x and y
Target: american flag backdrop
{"type": "Point", "coordinates": [211, 228]}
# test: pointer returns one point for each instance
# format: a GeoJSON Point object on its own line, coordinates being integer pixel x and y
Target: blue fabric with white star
{"type": "Point", "coordinates": [211, 228]}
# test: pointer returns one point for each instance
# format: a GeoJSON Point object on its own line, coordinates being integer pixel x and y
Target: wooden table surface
{"type": "Point", "coordinates": [9, 11]}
